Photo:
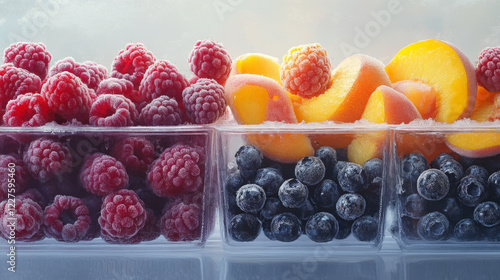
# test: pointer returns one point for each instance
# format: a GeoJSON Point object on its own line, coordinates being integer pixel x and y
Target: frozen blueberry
{"type": "Point", "coordinates": [415, 206]}
{"type": "Point", "coordinates": [372, 196]}
{"type": "Point", "coordinates": [487, 214]}
{"type": "Point", "coordinates": [310, 170]}
{"type": "Point", "coordinates": [293, 194]}
{"type": "Point", "coordinates": [350, 206]}
{"type": "Point", "coordinates": [478, 172]}
{"type": "Point", "coordinates": [492, 233]}
{"type": "Point", "coordinates": [451, 208]}
{"type": "Point", "coordinates": [232, 205]}
{"type": "Point", "coordinates": [409, 228]}
{"type": "Point", "coordinates": [328, 156]}
{"type": "Point", "coordinates": [326, 193]}
{"type": "Point", "coordinates": [269, 179]}
{"type": "Point", "coordinates": [234, 182]}
{"type": "Point", "coordinates": [271, 208]}
{"type": "Point", "coordinates": [344, 228]}
{"type": "Point", "coordinates": [433, 184]}
{"type": "Point", "coordinates": [494, 184]}
{"type": "Point", "coordinates": [286, 227]}
{"type": "Point", "coordinates": [372, 169]}
{"type": "Point", "coordinates": [339, 166]}
{"type": "Point", "coordinates": [250, 198]}
{"type": "Point", "coordinates": [248, 158]}
{"type": "Point", "coordinates": [244, 227]}
{"type": "Point", "coordinates": [440, 159]}
{"type": "Point", "coordinates": [322, 227]}
{"type": "Point", "coordinates": [412, 166]}
{"type": "Point", "coordinates": [466, 230]}
{"type": "Point", "coordinates": [433, 226]}
{"type": "Point", "coordinates": [266, 228]}
{"type": "Point", "coordinates": [351, 179]}
{"type": "Point", "coordinates": [471, 191]}
{"type": "Point", "coordinates": [365, 228]}
{"type": "Point", "coordinates": [306, 211]}
{"type": "Point", "coordinates": [454, 170]}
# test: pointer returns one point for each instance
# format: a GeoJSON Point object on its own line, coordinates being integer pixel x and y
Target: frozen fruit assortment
{"type": "Point", "coordinates": [321, 196]}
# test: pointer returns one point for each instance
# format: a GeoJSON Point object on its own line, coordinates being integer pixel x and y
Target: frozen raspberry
{"type": "Point", "coordinates": [66, 219]}
{"type": "Point", "coordinates": [9, 145]}
{"type": "Point", "coordinates": [28, 217]}
{"type": "Point", "coordinates": [162, 78]}
{"type": "Point", "coordinates": [136, 153]}
{"type": "Point", "coordinates": [20, 174]}
{"type": "Point", "coordinates": [209, 59]}
{"type": "Point", "coordinates": [47, 159]}
{"type": "Point", "coordinates": [98, 73]}
{"type": "Point", "coordinates": [16, 81]}
{"type": "Point", "coordinates": [488, 69]}
{"type": "Point", "coordinates": [123, 214]}
{"type": "Point", "coordinates": [151, 229]}
{"type": "Point", "coordinates": [162, 111]}
{"type": "Point", "coordinates": [131, 63]}
{"type": "Point", "coordinates": [119, 86]}
{"type": "Point", "coordinates": [181, 222]}
{"type": "Point", "coordinates": [102, 174]}
{"type": "Point", "coordinates": [28, 110]}
{"type": "Point", "coordinates": [305, 70]}
{"type": "Point", "coordinates": [68, 97]}
{"type": "Point", "coordinates": [177, 171]}
{"type": "Point", "coordinates": [32, 57]}
{"type": "Point", "coordinates": [136, 239]}
{"type": "Point", "coordinates": [193, 80]}
{"type": "Point", "coordinates": [68, 64]}
{"type": "Point", "coordinates": [113, 110]}
{"type": "Point", "coordinates": [35, 195]}
{"type": "Point", "coordinates": [204, 101]}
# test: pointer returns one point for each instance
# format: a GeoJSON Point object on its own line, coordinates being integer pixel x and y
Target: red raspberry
{"type": "Point", "coordinates": [136, 239]}
{"type": "Point", "coordinates": [20, 174]}
{"type": "Point", "coordinates": [122, 214]}
{"type": "Point", "coordinates": [68, 97]}
{"type": "Point", "coordinates": [29, 56]}
{"type": "Point", "coordinates": [488, 69]}
{"type": "Point", "coordinates": [35, 195]}
{"type": "Point", "coordinates": [28, 217]}
{"type": "Point", "coordinates": [98, 73]}
{"type": "Point", "coordinates": [119, 86]}
{"type": "Point", "coordinates": [193, 80]}
{"type": "Point", "coordinates": [136, 153]}
{"type": "Point", "coordinates": [131, 63]}
{"type": "Point", "coordinates": [306, 70]}
{"type": "Point", "coordinates": [102, 174]}
{"type": "Point", "coordinates": [68, 64]}
{"type": "Point", "coordinates": [113, 110]}
{"type": "Point", "coordinates": [209, 59]}
{"type": "Point", "coordinates": [162, 78]}
{"type": "Point", "coordinates": [177, 171]}
{"type": "Point", "coordinates": [163, 110]}
{"type": "Point", "coordinates": [181, 222]}
{"type": "Point", "coordinates": [16, 81]}
{"type": "Point", "coordinates": [204, 101]}
{"type": "Point", "coordinates": [151, 229]}
{"type": "Point", "coordinates": [47, 159]}
{"type": "Point", "coordinates": [66, 219]}
{"type": "Point", "coordinates": [28, 110]}
{"type": "Point", "coordinates": [9, 145]}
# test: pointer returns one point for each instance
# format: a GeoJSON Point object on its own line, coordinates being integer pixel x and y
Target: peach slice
{"type": "Point", "coordinates": [474, 145]}
{"type": "Point", "coordinates": [255, 99]}
{"type": "Point", "coordinates": [483, 108]}
{"type": "Point", "coordinates": [257, 63]}
{"type": "Point", "coordinates": [421, 95]}
{"type": "Point", "coordinates": [354, 79]}
{"type": "Point", "coordinates": [443, 67]}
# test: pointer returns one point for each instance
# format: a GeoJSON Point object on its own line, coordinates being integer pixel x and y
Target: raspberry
{"type": "Point", "coordinates": [176, 171]}
{"type": "Point", "coordinates": [66, 219]}
{"type": "Point", "coordinates": [113, 110]}
{"type": "Point", "coordinates": [102, 174]}
{"type": "Point", "coordinates": [204, 101]}
{"type": "Point", "coordinates": [136, 153]}
{"type": "Point", "coordinates": [68, 97]}
{"type": "Point", "coordinates": [47, 159]}
{"type": "Point", "coordinates": [151, 229]}
{"type": "Point", "coordinates": [32, 57]}
{"type": "Point", "coordinates": [209, 59]}
{"type": "Point", "coordinates": [131, 63]}
{"type": "Point", "coordinates": [119, 240]}
{"type": "Point", "coordinates": [98, 73]}
{"type": "Point", "coordinates": [20, 174]}
{"type": "Point", "coordinates": [28, 110]}
{"type": "Point", "coordinates": [193, 80]}
{"type": "Point", "coordinates": [163, 110]}
{"type": "Point", "coordinates": [16, 81]}
{"type": "Point", "coordinates": [28, 215]}
{"type": "Point", "coordinates": [181, 222]}
{"type": "Point", "coordinates": [34, 195]}
{"type": "Point", "coordinates": [162, 78]}
{"type": "Point", "coordinates": [119, 86]}
{"type": "Point", "coordinates": [305, 70]}
{"type": "Point", "coordinates": [9, 145]}
{"type": "Point", "coordinates": [488, 69]}
{"type": "Point", "coordinates": [122, 214]}
{"type": "Point", "coordinates": [68, 64]}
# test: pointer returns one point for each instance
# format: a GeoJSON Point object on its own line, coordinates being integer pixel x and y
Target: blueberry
{"type": "Point", "coordinates": [471, 191]}
{"type": "Point", "coordinates": [250, 198]}
{"type": "Point", "coordinates": [244, 227]}
{"type": "Point", "coordinates": [487, 214]}
{"type": "Point", "coordinates": [341, 154]}
{"type": "Point", "coordinates": [372, 196]}
{"type": "Point", "coordinates": [478, 172]}
{"type": "Point", "coordinates": [306, 211]}
{"type": "Point", "coordinates": [409, 228]}
{"type": "Point", "coordinates": [326, 194]}
{"type": "Point", "coordinates": [433, 184]}
{"type": "Point", "coordinates": [271, 208]}
{"type": "Point", "coordinates": [451, 208]}
{"type": "Point", "coordinates": [336, 169]}
{"type": "Point", "coordinates": [412, 166]}
{"type": "Point", "coordinates": [286, 227]}
{"type": "Point", "coordinates": [454, 170]}
{"type": "Point", "coordinates": [310, 170]}
{"type": "Point", "coordinates": [350, 206]}
{"type": "Point", "coordinates": [440, 159]}
{"type": "Point", "coordinates": [234, 182]}
{"type": "Point", "coordinates": [233, 208]}
{"type": "Point", "coordinates": [248, 158]}
{"type": "Point", "coordinates": [328, 156]}
{"type": "Point", "coordinates": [351, 179]}
{"type": "Point", "coordinates": [344, 229]}
{"type": "Point", "coordinates": [266, 228]}
{"type": "Point", "coordinates": [492, 233]}
{"type": "Point", "coordinates": [293, 193]}
{"type": "Point", "coordinates": [269, 179]}
{"type": "Point", "coordinates": [365, 228]}
{"type": "Point", "coordinates": [415, 206]}
{"type": "Point", "coordinates": [373, 169]}
{"type": "Point", "coordinates": [494, 184]}
{"type": "Point", "coordinates": [466, 230]}
{"type": "Point", "coordinates": [433, 226]}
{"type": "Point", "coordinates": [322, 227]}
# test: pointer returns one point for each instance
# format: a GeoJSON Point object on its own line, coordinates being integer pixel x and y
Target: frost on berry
{"type": "Point", "coordinates": [28, 216]}
{"type": "Point", "coordinates": [102, 174]}
{"type": "Point", "coordinates": [67, 219]}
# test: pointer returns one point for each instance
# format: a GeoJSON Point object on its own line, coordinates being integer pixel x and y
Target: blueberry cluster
{"type": "Point", "coordinates": [451, 198]}
{"type": "Point", "coordinates": [322, 196]}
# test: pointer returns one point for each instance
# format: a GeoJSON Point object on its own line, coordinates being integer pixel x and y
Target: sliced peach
{"type": "Point", "coordinates": [354, 79]}
{"type": "Point", "coordinates": [421, 95]}
{"type": "Point", "coordinates": [257, 63]}
{"type": "Point", "coordinates": [484, 105]}
{"type": "Point", "coordinates": [427, 144]}
{"type": "Point", "coordinates": [474, 144]}
{"type": "Point", "coordinates": [254, 99]}
{"type": "Point", "coordinates": [444, 68]}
